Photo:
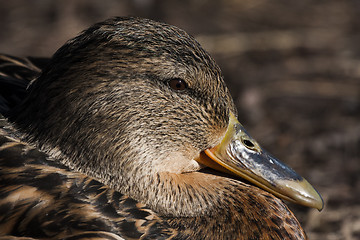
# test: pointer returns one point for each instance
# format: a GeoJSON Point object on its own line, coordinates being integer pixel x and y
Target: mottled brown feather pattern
{"type": "Point", "coordinates": [41, 199]}
{"type": "Point", "coordinates": [45, 199]}
{"type": "Point", "coordinates": [107, 147]}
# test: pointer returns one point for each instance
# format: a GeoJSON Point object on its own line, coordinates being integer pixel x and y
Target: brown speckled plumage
{"type": "Point", "coordinates": [104, 148]}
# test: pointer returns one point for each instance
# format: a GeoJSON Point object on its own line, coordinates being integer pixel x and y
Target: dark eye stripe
{"type": "Point", "coordinates": [177, 84]}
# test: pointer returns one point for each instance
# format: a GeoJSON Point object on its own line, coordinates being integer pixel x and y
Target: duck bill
{"type": "Point", "coordinates": [240, 155]}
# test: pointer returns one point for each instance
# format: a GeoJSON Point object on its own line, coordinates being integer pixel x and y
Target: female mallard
{"type": "Point", "coordinates": [115, 136]}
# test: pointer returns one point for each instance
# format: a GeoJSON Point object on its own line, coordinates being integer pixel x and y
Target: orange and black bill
{"type": "Point", "coordinates": [242, 156]}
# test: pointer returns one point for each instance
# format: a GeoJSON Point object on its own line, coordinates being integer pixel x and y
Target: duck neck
{"type": "Point", "coordinates": [184, 195]}
{"type": "Point", "coordinates": [188, 194]}
{"type": "Point", "coordinates": [176, 195]}
{"type": "Point", "coordinates": [211, 204]}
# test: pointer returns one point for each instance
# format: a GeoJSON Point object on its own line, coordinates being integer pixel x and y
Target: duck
{"type": "Point", "coordinates": [129, 132]}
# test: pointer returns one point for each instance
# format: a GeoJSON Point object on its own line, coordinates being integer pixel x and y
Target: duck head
{"type": "Point", "coordinates": [140, 106]}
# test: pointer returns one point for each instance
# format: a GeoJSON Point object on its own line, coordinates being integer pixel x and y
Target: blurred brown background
{"type": "Point", "coordinates": [293, 68]}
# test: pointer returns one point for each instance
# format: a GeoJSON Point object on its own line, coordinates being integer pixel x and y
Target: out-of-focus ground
{"type": "Point", "coordinates": [293, 68]}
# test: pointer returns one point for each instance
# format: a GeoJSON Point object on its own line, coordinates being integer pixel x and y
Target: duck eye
{"type": "Point", "coordinates": [177, 84]}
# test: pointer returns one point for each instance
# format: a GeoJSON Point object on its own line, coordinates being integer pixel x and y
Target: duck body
{"type": "Point", "coordinates": [43, 199]}
{"type": "Point", "coordinates": [111, 140]}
